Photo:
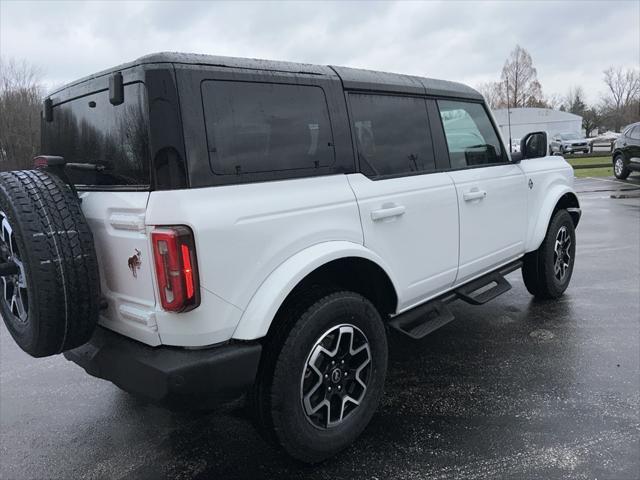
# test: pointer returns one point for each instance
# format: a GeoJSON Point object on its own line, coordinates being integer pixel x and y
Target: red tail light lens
{"type": "Point", "coordinates": [176, 268]}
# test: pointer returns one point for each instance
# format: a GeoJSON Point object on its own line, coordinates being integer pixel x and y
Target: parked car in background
{"type": "Point", "coordinates": [626, 152]}
{"type": "Point", "coordinates": [568, 143]}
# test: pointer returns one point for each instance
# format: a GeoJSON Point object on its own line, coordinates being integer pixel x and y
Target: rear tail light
{"type": "Point", "coordinates": [176, 268]}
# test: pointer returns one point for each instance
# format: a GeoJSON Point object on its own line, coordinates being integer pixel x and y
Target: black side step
{"type": "Point", "coordinates": [487, 287]}
{"type": "Point", "coordinates": [483, 289]}
{"type": "Point", "coordinates": [421, 321]}
{"type": "Point", "coordinates": [424, 319]}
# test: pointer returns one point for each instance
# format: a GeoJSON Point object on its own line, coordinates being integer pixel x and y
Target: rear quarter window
{"type": "Point", "coordinates": [266, 127]}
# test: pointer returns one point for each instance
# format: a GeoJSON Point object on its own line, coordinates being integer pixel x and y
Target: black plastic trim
{"type": "Point", "coordinates": [175, 376]}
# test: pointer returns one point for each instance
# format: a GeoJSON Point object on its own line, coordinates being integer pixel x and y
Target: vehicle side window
{"type": "Point", "coordinates": [392, 134]}
{"type": "Point", "coordinates": [634, 132]}
{"type": "Point", "coordinates": [471, 138]}
{"type": "Point", "coordinates": [266, 127]}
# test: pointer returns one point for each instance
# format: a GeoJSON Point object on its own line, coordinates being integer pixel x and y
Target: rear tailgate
{"type": "Point", "coordinates": [125, 262]}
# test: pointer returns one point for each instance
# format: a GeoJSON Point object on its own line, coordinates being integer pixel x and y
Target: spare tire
{"type": "Point", "coordinates": [50, 302]}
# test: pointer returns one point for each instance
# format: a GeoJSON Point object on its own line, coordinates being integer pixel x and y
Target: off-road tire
{"type": "Point", "coordinates": [538, 266]}
{"type": "Point", "coordinates": [276, 399]}
{"type": "Point", "coordinates": [622, 173]}
{"type": "Point", "coordinates": [59, 262]}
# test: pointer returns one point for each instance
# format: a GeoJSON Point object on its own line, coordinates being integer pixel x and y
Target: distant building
{"type": "Point", "coordinates": [527, 120]}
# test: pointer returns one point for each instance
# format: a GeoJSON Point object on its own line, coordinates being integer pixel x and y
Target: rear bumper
{"type": "Point", "coordinates": [175, 376]}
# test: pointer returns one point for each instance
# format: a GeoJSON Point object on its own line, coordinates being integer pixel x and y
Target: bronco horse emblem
{"type": "Point", "coordinates": [134, 262]}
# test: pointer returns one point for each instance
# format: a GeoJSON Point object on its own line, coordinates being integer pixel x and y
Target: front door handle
{"type": "Point", "coordinates": [387, 212]}
{"type": "Point", "coordinates": [475, 194]}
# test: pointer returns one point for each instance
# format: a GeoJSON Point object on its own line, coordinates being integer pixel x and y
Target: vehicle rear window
{"type": "Point", "coordinates": [392, 134]}
{"type": "Point", "coordinates": [266, 127]}
{"type": "Point", "coordinates": [91, 130]}
{"type": "Point", "coordinates": [471, 138]}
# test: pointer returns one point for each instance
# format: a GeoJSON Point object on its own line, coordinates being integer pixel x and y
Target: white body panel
{"type": "Point", "coordinates": [261, 310]}
{"type": "Point", "coordinates": [117, 222]}
{"type": "Point", "coordinates": [412, 223]}
{"type": "Point", "coordinates": [256, 242]}
{"type": "Point", "coordinates": [552, 178]}
{"type": "Point", "coordinates": [243, 233]}
{"type": "Point", "coordinates": [493, 217]}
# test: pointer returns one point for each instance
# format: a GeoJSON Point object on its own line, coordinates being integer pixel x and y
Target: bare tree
{"type": "Point", "coordinates": [20, 106]}
{"type": "Point", "coordinates": [492, 94]}
{"type": "Point", "coordinates": [518, 85]}
{"type": "Point", "coordinates": [622, 101]}
{"type": "Point", "coordinates": [555, 101]}
{"type": "Point", "coordinates": [520, 80]}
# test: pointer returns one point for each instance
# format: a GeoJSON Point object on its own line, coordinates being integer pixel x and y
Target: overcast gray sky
{"type": "Point", "coordinates": [571, 42]}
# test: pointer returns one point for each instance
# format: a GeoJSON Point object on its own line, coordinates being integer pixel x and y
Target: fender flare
{"type": "Point", "coordinates": [263, 306]}
{"type": "Point", "coordinates": [556, 192]}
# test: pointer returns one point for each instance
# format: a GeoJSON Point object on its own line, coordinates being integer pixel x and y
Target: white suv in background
{"type": "Point", "coordinates": [202, 227]}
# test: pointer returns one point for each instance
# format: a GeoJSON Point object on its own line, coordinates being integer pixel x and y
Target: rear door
{"type": "Point", "coordinates": [408, 209]}
{"type": "Point", "coordinates": [492, 191]}
{"type": "Point", "coordinates": [112, 144]}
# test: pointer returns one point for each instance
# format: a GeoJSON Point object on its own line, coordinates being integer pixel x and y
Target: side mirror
{"type": "Point", "coordinates": [534, 145]}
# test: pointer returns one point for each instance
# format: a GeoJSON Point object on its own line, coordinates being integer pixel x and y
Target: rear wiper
{"type": "Point", "coordinates": [96, 167]}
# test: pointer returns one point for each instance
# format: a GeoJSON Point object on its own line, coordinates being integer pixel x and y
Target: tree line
{"type": "Point", "coordinates": [519, 87]}
{"type": "Point", "coordinates": [21, 94]}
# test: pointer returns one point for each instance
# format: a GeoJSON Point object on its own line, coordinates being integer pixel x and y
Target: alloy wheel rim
{"type": "Point", "coordinates": [336, 375]}
{"type": "Point", "coordinates": [562, 253]}
{"type": "Point", "coordinates": [618, 166]}
{"type": "Point", "coordinates": [14, 287]}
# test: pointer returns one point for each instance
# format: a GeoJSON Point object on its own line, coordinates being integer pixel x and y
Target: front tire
{"type": "Point", "coordinates": [547, 271]}
{"type": "Point", "coordinates": [619, 170]}
{"type": "Point", "coordinates": [322, 375]}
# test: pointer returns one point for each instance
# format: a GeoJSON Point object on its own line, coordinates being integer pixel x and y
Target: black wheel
{"type": "Point", "coordinates": [619, 169]}
{"type": "Point", "coordinates": [322, 375]}
{"type": "Point", "coordinates": [49, 289]}
{"type": "Point", "coordinates": [547, 271]}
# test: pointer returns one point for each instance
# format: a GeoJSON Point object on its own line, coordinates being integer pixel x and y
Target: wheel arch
{"type": "Point", "coordinates": [342, 264]}
{"type": "Point", "coordinates": [561, 197]}
{"type": "Point", "coordinates": [615, 153]}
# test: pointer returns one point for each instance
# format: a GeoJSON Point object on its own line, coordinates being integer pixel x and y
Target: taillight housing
{"type": "Point", "coordinates": [174, 254]}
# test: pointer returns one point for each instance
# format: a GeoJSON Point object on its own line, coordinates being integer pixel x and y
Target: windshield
{"type": "Point", "coordinates": [91, 130]}
{"type": "Point", "coordinates": [570, 136]}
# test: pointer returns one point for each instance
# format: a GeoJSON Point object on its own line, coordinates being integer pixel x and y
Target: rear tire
{"type": "Point", "coordinates": [547, 271]}
{"type": "Point", "coordinates": [51, 305]}
{"type": "Point", "coordinates": [297, 376]}
{"type": "Point", "coordinates": [619, 170]}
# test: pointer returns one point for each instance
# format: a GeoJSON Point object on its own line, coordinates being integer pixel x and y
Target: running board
{"type": "Point", "coordinates": [418, 322]}
{"type": "Point", "coordinates": [487, 287]}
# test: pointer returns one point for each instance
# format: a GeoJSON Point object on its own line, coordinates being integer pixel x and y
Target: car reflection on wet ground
{"type": "Point", "coordinates": [516, 388]}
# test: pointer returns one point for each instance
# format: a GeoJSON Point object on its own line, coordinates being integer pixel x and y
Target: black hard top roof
{"type": "Point", "coordinates": [352, 78]}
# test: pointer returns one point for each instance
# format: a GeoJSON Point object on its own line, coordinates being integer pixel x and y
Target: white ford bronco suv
{"type": "Point", "coordinates": [199, 228]}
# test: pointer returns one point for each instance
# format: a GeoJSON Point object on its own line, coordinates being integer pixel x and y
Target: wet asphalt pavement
{"type": "Point", "coordinates": [516, 388]}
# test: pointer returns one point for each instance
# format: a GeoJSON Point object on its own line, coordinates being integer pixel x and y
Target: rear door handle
{"type": "Point", "coordinates": [387, 212]}
{"type": "Point", "coordinates": [474, 195]}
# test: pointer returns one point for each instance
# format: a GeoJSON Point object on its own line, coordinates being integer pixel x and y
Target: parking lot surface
{"type": "Point", "coordinates": [516, 388]}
